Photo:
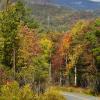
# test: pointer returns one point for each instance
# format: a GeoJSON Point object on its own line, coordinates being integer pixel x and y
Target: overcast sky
{"type": "Point", "coordinates": [95, 0]}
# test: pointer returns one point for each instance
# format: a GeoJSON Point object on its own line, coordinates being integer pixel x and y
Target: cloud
{"type": "Point", "coordinates": [95, 0]}
{"type": "Point", "coordinates": [78, 3]}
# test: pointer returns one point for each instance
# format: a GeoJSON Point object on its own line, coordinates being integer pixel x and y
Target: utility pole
{"type": "Point", "coordinates": [48, 19]}
{"type": "Point", "coordinates": [50, 69]}
{"type": "Point", "coordinates": [7, 3]}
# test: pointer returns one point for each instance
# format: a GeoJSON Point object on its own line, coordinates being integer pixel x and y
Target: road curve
{"type": "Point", "coordinates": [76, 96]}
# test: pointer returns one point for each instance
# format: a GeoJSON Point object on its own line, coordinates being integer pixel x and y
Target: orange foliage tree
{"type": "Point", "coordinates": [59, 57]}
{"type": "Point", "coordinates": [28, 46]}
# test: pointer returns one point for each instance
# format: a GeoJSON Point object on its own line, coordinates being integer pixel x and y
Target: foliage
{"type": "Point", "coordinates": [28, 46]}
{"type": "Point", "coordinates": [41, 63]}
{"type": "Point", "coordinates": [46, 45]}
{"type": "Point", "coordinates": [52, 94]}
{"type": "Point", "coordinates": [86, 62]}
{"type": "Point", "coordinates": [12, 91]}
{"type": "Point", "coordinates": [34, 54]}
{"type": "Point", "coordinates": [74, 55]}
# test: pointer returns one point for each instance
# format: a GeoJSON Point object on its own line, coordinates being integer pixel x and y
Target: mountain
{"type": "Point", "coordinates": [79, 4]}
{"type": "Point", "coordinates": [60, 14]}
{"type": "Point", "coordinates": [76, 4]}
{"type": "Point", "coordinates": [60, 18]}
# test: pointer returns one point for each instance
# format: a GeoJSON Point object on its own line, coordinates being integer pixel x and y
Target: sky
{"type": "Point", "coordinates": [95, 0]}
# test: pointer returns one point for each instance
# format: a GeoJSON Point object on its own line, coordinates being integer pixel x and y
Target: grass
{"type": "Point", "coordinates": [76, 90]}
{"type": "Point", "coordinates": [52, 94]}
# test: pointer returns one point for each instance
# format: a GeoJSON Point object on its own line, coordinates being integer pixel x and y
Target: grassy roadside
{"type": "Point", "coordinates": [52, 94]}
{"type": "Point", "coordinates": [85, 91]}
{"type": "Point", "coordinates": [12, 91]}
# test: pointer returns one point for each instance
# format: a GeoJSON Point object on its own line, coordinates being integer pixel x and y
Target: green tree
{"type": "Point", "coordinates": [42, 62]}
{"type": "Point", "coordinates": [10, 21]}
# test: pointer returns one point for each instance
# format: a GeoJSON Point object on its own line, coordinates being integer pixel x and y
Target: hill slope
{"type": "Point", "coordinates": [55, 17]}
{"type": "Point", "coordinates": [59, 18]}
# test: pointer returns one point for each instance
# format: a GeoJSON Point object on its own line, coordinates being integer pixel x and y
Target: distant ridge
{"type": "Point", "coordinates": [42, 2]}
{"type": "Point", "coordinates": [60, 17]}
{"type": "Point", "coordinates": [76, 4]}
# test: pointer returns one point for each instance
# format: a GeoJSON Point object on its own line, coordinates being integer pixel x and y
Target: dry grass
{"type": "Point", "coordinates": [52, 94]}
{"type": "Point", "coordinates": [75, 89]}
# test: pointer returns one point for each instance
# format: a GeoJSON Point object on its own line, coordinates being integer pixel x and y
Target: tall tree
{"type": "Point", "coordinates": [9, 28]}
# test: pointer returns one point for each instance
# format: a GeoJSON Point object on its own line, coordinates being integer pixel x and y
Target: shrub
{"type": "Point", "coordinates": [52, 95]}
{"type": "Point", "coordinates": [12, 91]}
{"type": "Point", "coordinates": [27, 94]}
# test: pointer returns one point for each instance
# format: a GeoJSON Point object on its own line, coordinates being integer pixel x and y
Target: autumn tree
{"type": "Point", "coordinates": [9, 27]}
{"type": "Point", "coordinates": [84, 35]}
{"type": "Point", "coordinates": [59, 58]}
{"type": "Point", "coordinates": [28, 48]}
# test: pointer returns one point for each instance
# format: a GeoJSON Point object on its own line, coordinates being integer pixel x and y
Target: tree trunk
{"type": "Point", "coordinates": [60, 80]}
{"type": "Point", "coordinates": [50, 72]}
{"type": "Point", "coordinates": [50, 78]}
{"type": "Point", "coordinates": [14, 62]}
{"type": "Point", "coordinates": [68, 75]}
{"type": "Point", "coordinates": [38, 87]}
{"type": "Point", "coordinates": [75, 76]}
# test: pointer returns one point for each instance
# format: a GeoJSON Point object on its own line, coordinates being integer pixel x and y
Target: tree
{"type": "Point", "coordinates": [42, 61]}
{"type": "Point", "coordinates": [11, 19]}
{"type": "Point", "coordinates": [85, 61]}
{"type": "Point", "coordinates": [28, 48]}
{"type": "Point", "coordinates": [59, 57]}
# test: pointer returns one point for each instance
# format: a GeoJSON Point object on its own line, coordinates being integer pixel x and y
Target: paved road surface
{"type": "Point", "coordinates": [76, 96]}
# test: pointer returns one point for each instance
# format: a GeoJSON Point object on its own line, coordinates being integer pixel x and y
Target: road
{"type": "Point", "coordinates": [76, 96]}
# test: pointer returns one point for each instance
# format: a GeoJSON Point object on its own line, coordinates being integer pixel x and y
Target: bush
{"type": "Point", "coordinates": [27, 94]}
{"type": "Point", "coordinates": [52, 95]}
{"type": "Point", "coordinates": [12, 91]}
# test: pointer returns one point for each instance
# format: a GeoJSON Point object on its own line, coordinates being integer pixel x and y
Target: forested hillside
{"type": "Point", "coordinates": [55, 17]}
{"type": "Point", "coordinates": [43, 49]}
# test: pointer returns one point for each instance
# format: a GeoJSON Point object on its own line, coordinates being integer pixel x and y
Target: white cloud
{"type": "Point", "coordinates": [79, 2]}
{"type": "Point", "coordinates": [95, 0]}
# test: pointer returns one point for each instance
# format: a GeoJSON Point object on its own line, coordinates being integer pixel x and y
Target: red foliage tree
{"type": "Point", "coordinates": [59, 57]}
